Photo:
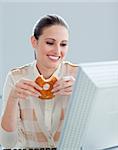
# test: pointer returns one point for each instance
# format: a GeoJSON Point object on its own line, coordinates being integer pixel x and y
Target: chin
{"type": "Point", "coordinates": [53, 66]}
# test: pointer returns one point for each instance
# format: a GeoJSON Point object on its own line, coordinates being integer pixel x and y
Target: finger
{"type": "Point", "coordinates": [27, 93]}
{"type": "Point", "coordinates": [60, 83]}
{"type": "Point", "coordinates": [20, 87]}
{"type": "Point", "coordinates": [26, 87]}
{"type": "Point", "coordinates": [62, 93]}
{"type": "Point", "coordinates": [57, 83]}
{"type": "Point", "coordinates": [65, 80]}
{"type": "Point", "coordinates": [57, 88]}
{"type": "Point", "coordinates": [67, 89]}
{"type": "Point", "coordinates": [68, 78]}
{"type": "Point", "coordinates": [31, 83]}
{"type": "Point", "coordinates": [63, 85]}
{"type": "Point", "coordinates": [67, 84]}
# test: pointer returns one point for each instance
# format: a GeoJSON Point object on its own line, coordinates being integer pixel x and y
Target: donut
{"type": "Point", "coordinates": [47, 86]}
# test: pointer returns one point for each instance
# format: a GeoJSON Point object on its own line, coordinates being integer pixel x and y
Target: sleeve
{"type": "Point", "coordinates": [7, 139]}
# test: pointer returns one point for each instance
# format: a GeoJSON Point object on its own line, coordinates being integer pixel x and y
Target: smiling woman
{"type": "Point", "coordinates": [36, 95]}
{"type": "Point", "coordinates": [50, 48]}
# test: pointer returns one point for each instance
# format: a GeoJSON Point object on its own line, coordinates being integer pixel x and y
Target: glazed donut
{"type": "Point", "coordinates": [47, 86]}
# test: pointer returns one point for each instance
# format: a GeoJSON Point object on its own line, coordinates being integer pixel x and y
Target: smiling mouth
{"type": "Point", "coordinates": [53, 58]}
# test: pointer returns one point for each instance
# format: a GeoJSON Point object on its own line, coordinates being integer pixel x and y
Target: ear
{"type": "Point", "coordinates": [33, 41]}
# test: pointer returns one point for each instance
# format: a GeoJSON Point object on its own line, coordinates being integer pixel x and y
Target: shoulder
{"type": "Point", "coordinates": [70, 68]}
{"type": "Point", "coordinates": [70, 64]}
{"type": "Point", "coordinates": [21, 70]}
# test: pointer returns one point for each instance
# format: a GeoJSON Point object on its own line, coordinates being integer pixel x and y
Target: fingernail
{"type": "Point", "coordinates": [73, 78]}
{"type": "Point", "coordinates": [66, 78]}
{"type": "Point", "coordinates": [54, 94]}
{"type": "Point", "coordinates": [38, 94]}
{"type": "Point", "coordinates": [39, 88]}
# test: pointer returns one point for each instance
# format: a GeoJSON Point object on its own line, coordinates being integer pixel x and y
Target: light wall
{"type": "Point", "coordinates": [93, 31]}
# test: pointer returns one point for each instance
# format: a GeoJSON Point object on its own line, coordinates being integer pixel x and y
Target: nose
{"type": "Point", "coordinates": [57, 49]}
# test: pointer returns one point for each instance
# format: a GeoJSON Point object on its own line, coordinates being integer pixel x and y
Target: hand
{"type": "Point", "coordinates": [24, 88]}
{"type": "Point", "coordinates": [64, 86]}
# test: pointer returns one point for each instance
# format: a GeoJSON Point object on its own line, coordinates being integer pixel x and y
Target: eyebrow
{"type": "Point", "coordinates": [55, 40]}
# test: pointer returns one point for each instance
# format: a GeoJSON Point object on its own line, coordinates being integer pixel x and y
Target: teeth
{"type": "Point", "coordinates": [54, 57]}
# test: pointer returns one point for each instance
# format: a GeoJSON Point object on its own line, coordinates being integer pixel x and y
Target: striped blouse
{"type": "Point", "coordinates": [39, 122]}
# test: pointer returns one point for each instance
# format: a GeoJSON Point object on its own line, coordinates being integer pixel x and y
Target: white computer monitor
{"type": "Point", "coordinates": [91, 120]}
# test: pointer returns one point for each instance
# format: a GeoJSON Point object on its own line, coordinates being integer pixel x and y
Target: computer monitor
{"type": "Point", "coordinates": [91, 119]}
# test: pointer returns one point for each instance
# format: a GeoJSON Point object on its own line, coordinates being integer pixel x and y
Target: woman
{"type": "Point", "coordinates": [27, 120]}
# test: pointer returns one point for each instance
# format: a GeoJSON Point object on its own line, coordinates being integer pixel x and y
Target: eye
{"type": "Point", "coordinates": [49, 43]}
{"type": "Point", "coordinates": [63, 44]}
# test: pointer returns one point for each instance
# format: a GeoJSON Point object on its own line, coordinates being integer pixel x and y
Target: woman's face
{"type": "Point", "coordinates": [52, 46]}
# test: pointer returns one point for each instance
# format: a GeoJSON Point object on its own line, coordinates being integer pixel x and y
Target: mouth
{"type": "Point", "coordinates": [53, 58]}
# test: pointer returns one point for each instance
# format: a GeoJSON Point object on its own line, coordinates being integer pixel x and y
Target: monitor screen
{"type": "Point", "coordinates": [91, 119]}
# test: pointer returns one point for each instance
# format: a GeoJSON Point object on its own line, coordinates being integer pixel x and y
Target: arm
{"type": "Point", "coordinates": [8, 136]}
{"type": "Point", "coordinates": [14, 91]}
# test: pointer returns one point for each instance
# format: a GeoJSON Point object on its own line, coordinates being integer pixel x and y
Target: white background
{"type": "Point", "coordinates": [93, 30]}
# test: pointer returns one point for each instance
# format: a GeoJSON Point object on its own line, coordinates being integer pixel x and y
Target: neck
{"type": "Point", "coordinates": [46, 72]}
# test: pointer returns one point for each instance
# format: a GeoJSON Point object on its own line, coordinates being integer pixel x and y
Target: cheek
{"type": "Point", "coordinates": [41, 50]}
{"type": "Point", "coordinates": [44, 49]}
{"type": "Point", "coordinates": [64, 52]}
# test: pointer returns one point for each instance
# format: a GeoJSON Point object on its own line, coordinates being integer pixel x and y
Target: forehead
{"type": "Point", "coordinates": [55, 31]}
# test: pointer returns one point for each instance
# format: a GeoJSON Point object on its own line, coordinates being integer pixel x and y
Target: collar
{"type": "Point", "coordinates": [57, 73]}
